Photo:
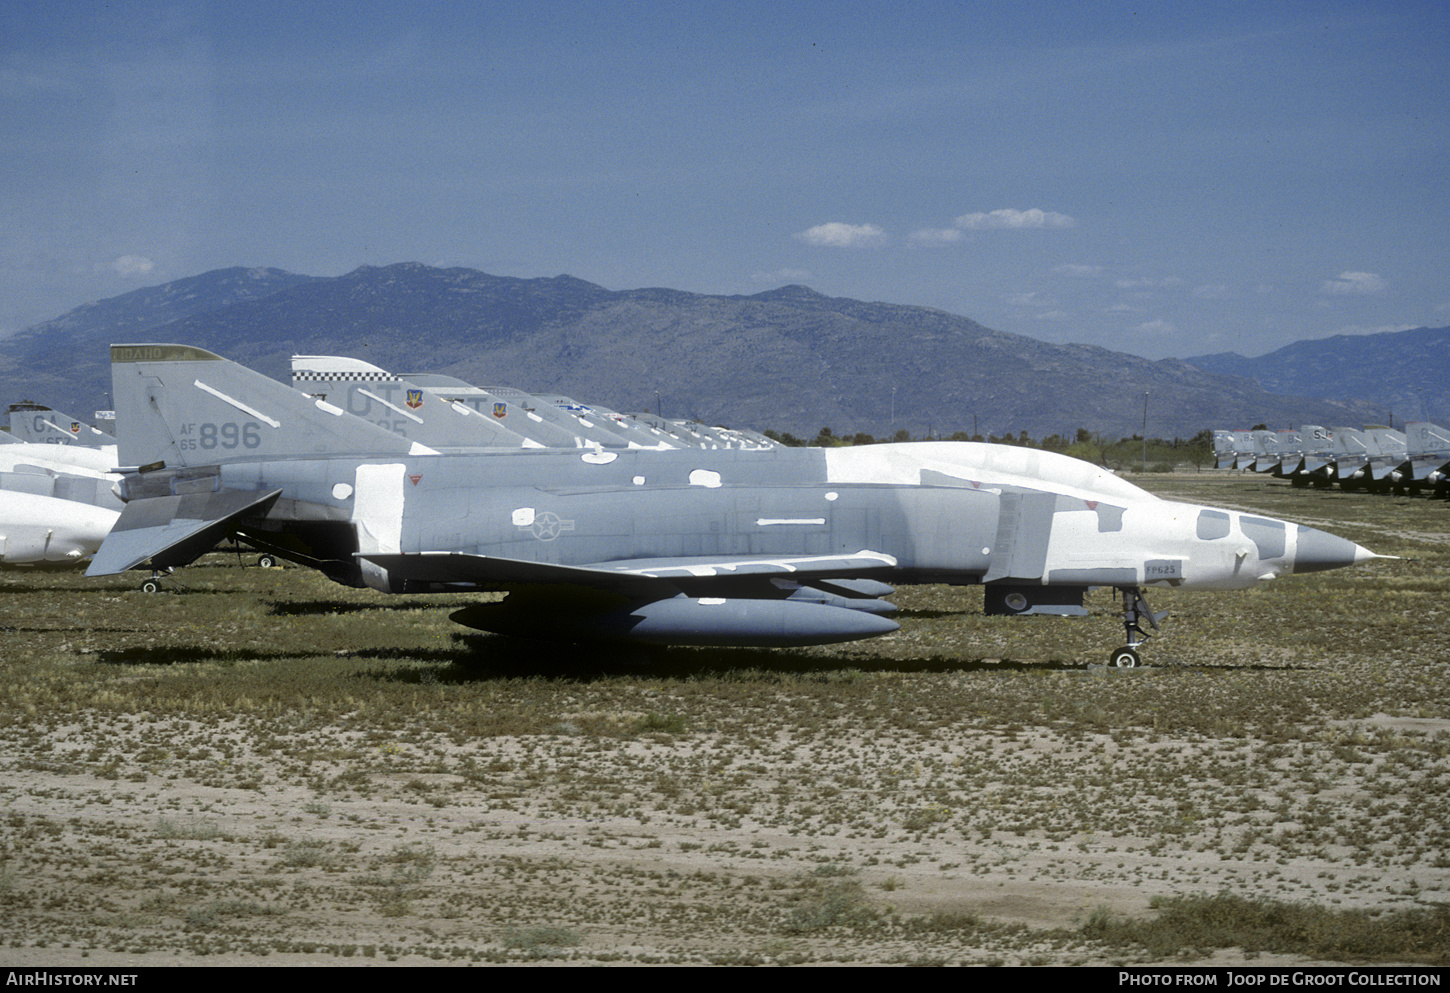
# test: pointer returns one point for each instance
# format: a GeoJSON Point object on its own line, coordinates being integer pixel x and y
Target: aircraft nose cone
{"type": "Point", "coordinates": [1319, 550]}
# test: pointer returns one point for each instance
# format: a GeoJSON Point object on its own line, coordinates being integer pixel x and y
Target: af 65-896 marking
{"type": "Point", "coordinates": [226, 435]}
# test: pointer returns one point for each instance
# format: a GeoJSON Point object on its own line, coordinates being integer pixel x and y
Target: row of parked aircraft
{"type": "Point", "coordinates": [58, 479]}
{"type": "Point", "coordinates": [638, 530]}
{"type": "Point", "coordinates": [1380, 459]}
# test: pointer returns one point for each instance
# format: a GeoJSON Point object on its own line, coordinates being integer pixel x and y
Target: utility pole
{"type": "Point", "coordinates": [1145, 432]}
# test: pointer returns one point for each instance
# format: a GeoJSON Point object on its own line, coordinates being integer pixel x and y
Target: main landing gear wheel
{"type": "Point", "coordinates": [1124, 658]}
{"type": "Point", "coordinates": [153, 585]}
{"type": "Point", "coordinates": [267, 561]}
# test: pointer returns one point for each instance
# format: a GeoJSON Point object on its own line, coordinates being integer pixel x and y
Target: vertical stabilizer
{"type": "Point", "coordinates": [1429, 448]}
{"type": "Point", "coordinates": [539, 410]}
{"type": "Point", "coordinates": [1223, 449]}
{"type": "Point", "coordinates": [33, 422]}
{"type": "Point", "coordinates": [186, 406]}
{"type": "Point", "coordinates": [514, 416]}
{"type": "Point", "coordinates": [1351, 453]}
{"type": "Point", "coordinates": [399, 405]}
{"type": "Point", "coordinates": [1390, 460]}
{"type": "Point", "coordinates": [1318, 447]}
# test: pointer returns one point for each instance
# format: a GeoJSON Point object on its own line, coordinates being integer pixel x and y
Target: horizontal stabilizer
{"type": "Point", "coordinates": [174, 530]}
{"type": "Point", "coordinates": [1421, 466]}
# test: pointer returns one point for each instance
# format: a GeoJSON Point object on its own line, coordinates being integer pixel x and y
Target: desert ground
{"type": "Point", "coordinates": [265, 768]}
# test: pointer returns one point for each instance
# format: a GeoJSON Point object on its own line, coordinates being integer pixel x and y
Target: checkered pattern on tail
{"type": "Point", "coordinates": [311, 376]}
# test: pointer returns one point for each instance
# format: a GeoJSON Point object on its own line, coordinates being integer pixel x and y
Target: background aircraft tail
{"type": "Point", "coordinates": [188, 407]}
{"type": "Point", "coordinates": [37, 423]}
{"type": "Point", "coordinates": [399, 405]}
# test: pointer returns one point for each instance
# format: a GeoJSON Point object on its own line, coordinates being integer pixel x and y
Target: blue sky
{"type": "Point", "coordinates": [1166, 179]}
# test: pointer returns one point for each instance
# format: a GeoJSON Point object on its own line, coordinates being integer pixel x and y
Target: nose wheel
{"type": "Point", "coordinates": [1135, 609]}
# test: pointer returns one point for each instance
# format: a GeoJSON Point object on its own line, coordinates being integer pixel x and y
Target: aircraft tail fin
{"type": "Point", "coordinates": [1425, 437]}
{"type": "Point", "coordinates": [400, 405]}
{"type": "Point", "coordinates": [188, 407]}
{"type": "Point", "coordinates": [35, 422]}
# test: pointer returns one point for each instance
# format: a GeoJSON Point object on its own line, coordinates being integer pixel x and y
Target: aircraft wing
{"type": "Point", "coordinates": [704, 600]}
{"type": "Point", "coordinates": [634, 577]}
{"type": "Point", "coordinates": [174, 530]}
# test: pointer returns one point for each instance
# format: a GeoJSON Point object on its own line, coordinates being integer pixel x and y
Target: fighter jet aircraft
{"type": "Point", "coordinates": [33, 422]}
{"type": "Point", "coordinates": [61, 458]}
{"type": "Point", "coordinates": [635, 433]}
{"type": "Point", "coordinates": [517, 414]}
{"type": "Point", "coordinates": [1389, 463]}
{"type": "Point", "coordinates": [40, 530]}
{"type": "Point", "coordinates": [1429, 451]}
{"type": "Point", "coordinates": [1244, 449]}
{"type": "Point", "coordinates": [1351, 457]}
{"type": "Point", "coordinates": [1318, 455]}
{"type": "Point", "coordinates": [591, 433]}
{"type": "Point", "coordinates": [678, 546]}
{"type": "Point", "coordinates": [446, 413]}
{"type": "Point", "coordinates": [56, 504]}
{"type": "Point", "coordinates": [1266, 456]}
{"type": "Point", "coordinates": [399, 405]}
{"type": "Point", "coordinates": [678, 431]}
{"type": "Point", "coordinates": [1223, 449]}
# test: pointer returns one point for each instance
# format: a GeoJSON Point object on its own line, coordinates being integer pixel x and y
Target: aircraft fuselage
{"type": "Point", "coordinates": [946, 512]}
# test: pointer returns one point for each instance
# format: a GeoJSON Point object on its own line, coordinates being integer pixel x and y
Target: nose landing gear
{"type": "Point", "coordinates": [1135, 609]}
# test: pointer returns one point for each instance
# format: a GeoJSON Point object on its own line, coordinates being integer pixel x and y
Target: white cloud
{"type": "Point", "coordinates": [133, 265]}
{"type": "Point", "coordinates": [1081, 271]}
{"type": "Point", "coordinates": [838, 235]}
{"type": "Point", "coordinates": [933, 237]}
{"type": "Point", "coordinates": [1014, 219]}
{"type": "Point", "coordinates": [1153, 328]}
{"type": "Point", "coordinates": [1352, 283]}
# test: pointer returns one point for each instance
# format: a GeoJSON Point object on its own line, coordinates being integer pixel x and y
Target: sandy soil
{"type": "Point", "coordinates": [217, 844]}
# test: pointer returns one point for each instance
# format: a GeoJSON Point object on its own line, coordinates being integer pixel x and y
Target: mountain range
{"type": "Point", "coordinates": [1407, 372]}
{"type": "Point", "coordinates": [790, 359]}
